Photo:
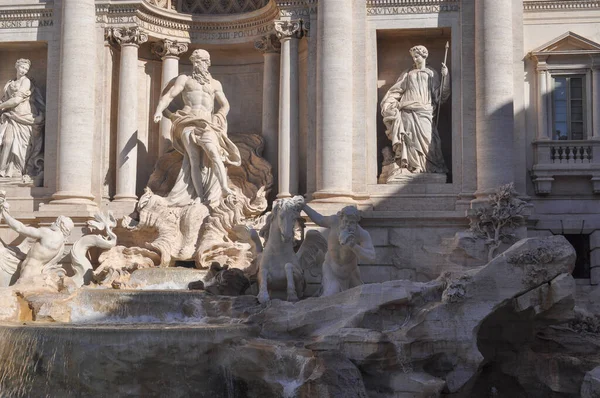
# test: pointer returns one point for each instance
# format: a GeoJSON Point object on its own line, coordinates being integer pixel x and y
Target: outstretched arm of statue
{"type": "Point", "coordinates": [221, 99]}
{"type": "Point", "coordinates": [364, 249]}
{"type": "Point", "coordinates": [445, 84]}
{"type": "Point", "coordinates": [19, 227]}
{"type": "Point", "coordinates": [320, 220]}
{"type": "Point", "coordinates": [169, 96]}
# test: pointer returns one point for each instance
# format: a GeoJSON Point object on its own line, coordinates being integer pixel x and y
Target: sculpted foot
{"type": "Point", "coordinates": [292, 297]}
{"type": "Point", "coordinates": [263, 297]}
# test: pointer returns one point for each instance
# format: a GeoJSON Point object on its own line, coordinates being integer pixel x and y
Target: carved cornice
{"type": "Point", "coordinates": [126, 36]}
{"type": "Point", "coordinates": [556, 5]}
{"type": "Point", "coordinates": [169, 48]}
{"type": "Point", "coordinates": [170, 25]}
{"type": "Point", "coordinates": [268, 44]}
{"type": "Point", "coordinates": [26, 18]}
{"type": "Point", "coordinates": [288, 29]}
{"type": "Point", "coordinates": [399, 7]}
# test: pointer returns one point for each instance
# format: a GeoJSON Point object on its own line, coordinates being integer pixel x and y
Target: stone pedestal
{"type": "Point", "coordinates": [127, 125]}
{"type": "Point", "coordinates": [169, 52]}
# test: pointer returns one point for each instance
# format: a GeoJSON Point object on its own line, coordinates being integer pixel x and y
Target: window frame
{"type": "Point", "coordinates": [585, 104]}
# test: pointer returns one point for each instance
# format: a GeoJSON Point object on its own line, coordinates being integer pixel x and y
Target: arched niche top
{"type": "Point", "coordinates": [203, 7]}
{"type": "Point", "coordinates": [166, 23]}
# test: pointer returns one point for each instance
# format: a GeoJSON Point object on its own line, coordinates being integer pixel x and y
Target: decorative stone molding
{"type": "Point", "coordinates": [398, 7]}
{"type": "Point", "coordinates": [169, 48]}
{"type": "Point", "coordinates": [288, 29]}
{"type": "Point", "coordinates": [558, 5]}
{"type": "Point", "coordinates": [127, 36]}
{"type": "Point", "coordinates": [268, 44]}
{"type": "Point", "coordinates": [213, 29]}
{"type": "Point", "coordinates": [26, 18]}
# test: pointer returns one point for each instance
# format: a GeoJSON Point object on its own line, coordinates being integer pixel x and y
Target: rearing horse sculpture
{"type": "Point", "coordinates": [280, 268]}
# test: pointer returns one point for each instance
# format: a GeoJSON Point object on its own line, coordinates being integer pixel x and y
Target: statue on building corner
{"type": "Point", "coordinates": [21, 128]}
{"type": "Point", "coordinates": [200, 135]}
{"type": "Point", "coordinates": [408, 111]}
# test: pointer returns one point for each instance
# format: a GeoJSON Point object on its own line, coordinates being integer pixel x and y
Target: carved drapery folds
{"type": "Point", "coordinates": [127, 35]}
{"type": "Point", "coordinates": [169, 48]}
{"type": "Point", "coordinates": [268, 44]}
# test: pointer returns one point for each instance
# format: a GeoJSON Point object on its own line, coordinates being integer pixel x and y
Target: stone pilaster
{"type": "Point", "coordinates": [127, 125]}
{"type": "Point", "coordinates": [596, 104]}
{"type": "Point", "coordinates": [76, 120]}
{"type": "Point", "coordinates": [494, 93]}
{"type": "Point", "coordinates": [288, 33]}
{"type": "Point", "coordinates": [270, 47]}
{"type": "Point", "coordinates": [543, 98]}
{"type": "Point", "coordinates": [169, 52]}
{"type": "Point", "coordinates": [334, 101]}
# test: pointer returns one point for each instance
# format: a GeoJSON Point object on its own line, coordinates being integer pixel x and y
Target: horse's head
{"type": "Point", "coordinates": [283, 218]}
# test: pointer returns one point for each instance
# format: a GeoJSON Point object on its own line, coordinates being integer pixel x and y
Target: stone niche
{"type": "Point", "coordinates": [393, 58]}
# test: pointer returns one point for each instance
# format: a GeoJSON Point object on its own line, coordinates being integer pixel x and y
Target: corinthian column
{"type": "Point", "coordinates": [494, 93]}
{"type": "Point", "coordinates": [76, 102]}
{"type": "Point", "coordinates": [127, 124]}
{"type": "Point", "coordinates": [270, 48]}
{"type": "Point", "coordinates": [169, 52]}
{"type": "Point", "coordinates": [334, 99]}
{"type": "Point", "coordinates": [288, 33]}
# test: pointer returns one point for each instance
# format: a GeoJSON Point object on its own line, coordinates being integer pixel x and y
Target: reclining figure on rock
{"type": "Point", "coordinates": [35, 261]}
{"type": "Point", "coordinates": [281, 270]}
{"type": "Point", "coordinates": [347, 243]}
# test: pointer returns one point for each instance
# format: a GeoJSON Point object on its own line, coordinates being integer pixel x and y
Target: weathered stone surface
{"type": "Point", "coordinates": [591, 384]}
{"type": "Point", "coordinates": [10, 308]}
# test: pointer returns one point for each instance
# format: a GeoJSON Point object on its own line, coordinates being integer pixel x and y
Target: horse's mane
{"type": "Point", "coordinates": [284, 205]}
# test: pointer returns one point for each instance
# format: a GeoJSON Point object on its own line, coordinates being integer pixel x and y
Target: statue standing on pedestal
{"type": "Point", "coordinates": [21, 124]}
{"type": "Point", "coordinates": [408, 111]}
{"type": "Point", "coordinates": [200, 135]}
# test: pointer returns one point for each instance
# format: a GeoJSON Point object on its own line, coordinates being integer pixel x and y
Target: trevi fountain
{"type": "Point", "coordinates": [299, 198]}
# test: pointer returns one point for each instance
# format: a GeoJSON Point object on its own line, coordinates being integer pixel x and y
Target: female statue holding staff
{"type": "Point", "coordinates": [408, 109]}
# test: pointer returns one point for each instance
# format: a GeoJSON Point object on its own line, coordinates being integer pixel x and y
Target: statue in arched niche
{"type": "Point", "coordinates": [21, 127]}
{"type": "Point", "coordinates": [409, 110]}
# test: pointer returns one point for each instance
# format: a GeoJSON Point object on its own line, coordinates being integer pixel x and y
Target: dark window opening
{"type": "Point", "coordinates": [581, 244]}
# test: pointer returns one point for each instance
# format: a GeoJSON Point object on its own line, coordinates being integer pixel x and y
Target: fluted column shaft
{"type": "Point", "coordinates": [494, 93]}
{"type": "Point", "coordinates": [288, 33]}
{"type": "Point", "coordinates": [270, 47]}
{"type": "Point", "coordinates": [169, 52]}
{"type": "Point", "coordinates": [334, 99]}
{"type": "Point", "coordinates": [76, 102]}
{"type": "Point", "coordinates": [127, 123]}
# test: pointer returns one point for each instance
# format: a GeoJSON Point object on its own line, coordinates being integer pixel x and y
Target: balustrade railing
{"type": "Point", "coordinates": [573, 153]}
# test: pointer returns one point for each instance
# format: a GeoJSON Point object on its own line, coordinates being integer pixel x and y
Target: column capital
{"type": "Point", "coordinates": [169, 48]}
{"type": "Point", "coordinates": [288, 29]}
{"type": "Point", "coordinates": [268, 44]}
{"type": "Point", "coordinates": [132, 35]}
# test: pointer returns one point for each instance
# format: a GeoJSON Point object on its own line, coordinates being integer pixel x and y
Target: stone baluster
{"type": "Point", "coordinates": [127, 125]}
{"type": "Point", "coordinates": [77, 101]}
{"type": "Point", "coordinates": [270, 47]}
{"type": "Point", "coordinates": [494, 93]}
{"type": "Point", "coordinates": [169, 52]}
{"type": "Point", "coordinates": [334, 100]}
{"type": "Point", "coordinates": [288, 33]}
